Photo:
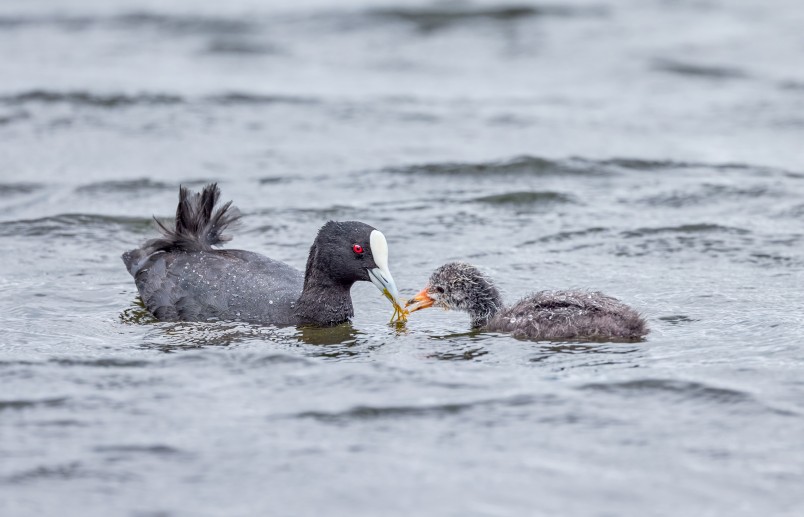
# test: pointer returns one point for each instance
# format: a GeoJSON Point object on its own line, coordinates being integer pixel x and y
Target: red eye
{"type": "Point", "coordinates": [357, 248]}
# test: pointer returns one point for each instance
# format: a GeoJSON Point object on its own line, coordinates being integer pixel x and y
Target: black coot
{"type": "Point", "coordinates": [544, 315]}
{"type": "Point", "coordinates": [182, 277]}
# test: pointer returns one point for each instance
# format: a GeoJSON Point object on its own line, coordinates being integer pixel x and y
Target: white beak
{"type": "Point", "coordinates": [381, 276]}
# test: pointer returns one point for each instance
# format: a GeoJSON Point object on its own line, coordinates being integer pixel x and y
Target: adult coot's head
{"type": "Point", "coordinates": [459, 286]}
{"type": "Point", "coordinates": [350, 251]}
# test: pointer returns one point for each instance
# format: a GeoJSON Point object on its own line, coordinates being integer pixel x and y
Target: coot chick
{"type": "Point", "coordinates": [546, 315]}
{"type": "Point", "coordinates": [182, 277]}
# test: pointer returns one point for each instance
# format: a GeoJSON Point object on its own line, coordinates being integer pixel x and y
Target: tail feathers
{"type": "Point", "coordinates": [134, 259]}
{"type": "Point", "coordinates": [198, 226]}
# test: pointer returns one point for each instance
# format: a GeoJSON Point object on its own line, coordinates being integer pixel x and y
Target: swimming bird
{"type": "Point", "coordinates": [181, 276]}
{"type": "Point", "coordinates": [545, 315]}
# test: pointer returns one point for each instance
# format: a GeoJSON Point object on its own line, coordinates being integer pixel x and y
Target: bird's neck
{"type": "Point", "coordinates": [323, 300]}
{"type": "Point", "coordinates": [484, 305]}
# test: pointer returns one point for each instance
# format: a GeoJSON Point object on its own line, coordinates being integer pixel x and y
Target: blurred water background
{"type": "Point", "coordinates": [650, 149]}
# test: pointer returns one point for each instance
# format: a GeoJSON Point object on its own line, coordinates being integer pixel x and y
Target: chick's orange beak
{"type": "Point", "coordinates": [420, 301]}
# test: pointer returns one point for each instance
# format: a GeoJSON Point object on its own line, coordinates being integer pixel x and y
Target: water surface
{"type": "Point", "coordinates": [647, 149]}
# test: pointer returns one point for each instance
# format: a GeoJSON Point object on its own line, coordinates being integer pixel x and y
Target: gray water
{"type": "Point", "coordinates": [648, 149]}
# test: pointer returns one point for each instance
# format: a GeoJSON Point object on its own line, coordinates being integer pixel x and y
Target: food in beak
{"type": "Point", "coordinates": [420, 301]}
{"type": "Point", "coordinates": [385, 283]}
{"type": "Point", "coordinates": [400, 314]}
{"type": "Point", "coordinates": [381, 277]}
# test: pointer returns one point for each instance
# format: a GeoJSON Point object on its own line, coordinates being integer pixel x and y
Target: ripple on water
{"type": "Point", "coordinates": [170, 24]}
{"type": "Point", "coordinates": [422, 18]}
{"type": "Point", "coordinates": [102, 362]}
{"type": "Point", "coordinates": [154, 450]}
{"type": "Point", "coordinates": [132, 186]}
{"type": "Point", "coordinates": [707, 238]}
{"type": "Point", "coordinates": [18, 404]}
{"type": "Point", "coordinates": [695, 228]}
{"type": "Point", "coordinates": [93, 99]}
{"type": "Point", "coordinates": [15, 189]}
{"type": "Point", "coordinates": [519, 166]}
{"type": "Point", "coordinates": [362, 413]}
{"type": "Point", "coordinates": [123, 100]}
{"type": "Point", "coordinates": [684, 391]}
{"type": "Point", "coordinates": [15, 115]}
{"type": "Point", "coordinates": [91, 226]}
{"type": "Point", "coordinates": [709, 194]}
{"type": "Point", "coordinates": [698, 70]}
{"type": "Point", "coordinates": [536, 166]}
{"type": "Point", "coordinates": [66, 471]}
{"type": "Point", "coordinates": [467, 353]}
{"type": "Point", "coordinates": [185, 336]}
{"type": "Point", "coordinates": [677, 319]}
{"type": "Point", "coordinates": [525, 198]}
{"type": "Point", "coordinates": [238, 46]}
{"type": "Point", "coordinates": [565, 236]}
{"type": "Point", "coordinates": [250, 98]}
{"type": "Point", "coordinates": [442, 16]}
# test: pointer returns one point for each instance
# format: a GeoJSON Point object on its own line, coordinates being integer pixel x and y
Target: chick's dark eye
{"type": "Point", "coordinates": [357, 248]}
{"type": "Point", "coordinates": [439, 289]}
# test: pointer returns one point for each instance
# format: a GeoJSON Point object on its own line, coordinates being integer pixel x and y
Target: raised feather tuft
{"type": "Point", "coordinates": [199, 225]}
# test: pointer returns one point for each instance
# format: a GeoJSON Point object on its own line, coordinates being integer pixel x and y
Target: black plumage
{"type": "Point", "coordinates": [181, 276]}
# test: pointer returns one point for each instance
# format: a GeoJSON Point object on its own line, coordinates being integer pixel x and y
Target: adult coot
{"type": "Point", "coordinates": [182, 277]}
{"type": "Point", "coordinates": [543, 315]}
